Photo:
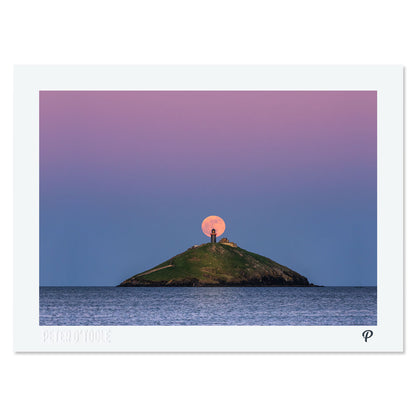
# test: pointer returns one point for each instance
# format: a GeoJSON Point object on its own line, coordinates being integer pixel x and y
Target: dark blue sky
{"type": "Point", "coordinates": [127, 177]}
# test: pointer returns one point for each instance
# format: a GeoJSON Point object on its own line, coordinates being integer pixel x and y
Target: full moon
{"type": "Point", "coordinates": [213, 222]}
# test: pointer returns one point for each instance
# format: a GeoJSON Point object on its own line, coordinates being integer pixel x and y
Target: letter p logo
{"type": "Point", "coordinates": [367, 334]}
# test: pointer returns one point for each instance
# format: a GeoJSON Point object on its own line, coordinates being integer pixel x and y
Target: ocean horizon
{"type": "Point", "coordinates": [140, 306]}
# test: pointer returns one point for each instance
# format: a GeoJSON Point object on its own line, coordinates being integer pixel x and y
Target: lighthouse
{"type": "Point", "coordinates": [213, 236]}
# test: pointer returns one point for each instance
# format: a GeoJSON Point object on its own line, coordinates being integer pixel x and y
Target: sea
{"type": "Point", "coordinates": [299, 306]}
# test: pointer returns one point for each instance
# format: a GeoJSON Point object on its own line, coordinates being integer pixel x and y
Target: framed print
{"type": "Point", "coordinates": [209, 208]}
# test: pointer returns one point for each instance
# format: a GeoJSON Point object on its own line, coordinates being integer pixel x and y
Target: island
{"type": "Point", "coordinates": [218, 264]}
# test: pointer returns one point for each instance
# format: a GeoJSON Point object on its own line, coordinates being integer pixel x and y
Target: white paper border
{"type": "Point", "coordinates": [388, 334]}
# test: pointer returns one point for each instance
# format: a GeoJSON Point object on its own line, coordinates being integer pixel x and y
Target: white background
{"type": "Point", "coordinates": [215, 32]}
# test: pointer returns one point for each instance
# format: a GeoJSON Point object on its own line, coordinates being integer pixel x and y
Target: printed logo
{"type": "Point", "coordinates": [77, 336]}
{"type": "Point", "coordinates": [367, 334]}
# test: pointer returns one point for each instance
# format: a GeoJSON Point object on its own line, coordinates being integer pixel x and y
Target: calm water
{"type": "Point", "coordinates": [208, 306]}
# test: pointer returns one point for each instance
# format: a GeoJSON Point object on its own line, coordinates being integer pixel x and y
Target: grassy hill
{"type": "Point", "coordinates": [218, 265]}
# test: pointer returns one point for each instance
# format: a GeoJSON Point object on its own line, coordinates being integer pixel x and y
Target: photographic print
{"type": "Point", "coordinates": [208, 208]}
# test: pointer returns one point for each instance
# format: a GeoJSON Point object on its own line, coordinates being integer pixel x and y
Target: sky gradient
{"type": "Point", "coordinates": [126, 178]}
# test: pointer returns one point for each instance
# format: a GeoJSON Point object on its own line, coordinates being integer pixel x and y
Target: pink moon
{"type": "Point", "coordinates": [213, 222]}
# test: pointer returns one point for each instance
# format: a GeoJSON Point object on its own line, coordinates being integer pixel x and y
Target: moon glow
{"type": "Point", "coordinates": [213, 222]}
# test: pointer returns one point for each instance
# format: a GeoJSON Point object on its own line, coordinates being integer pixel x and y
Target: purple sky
{"type": "Point", "coordinates": [127, 178]}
